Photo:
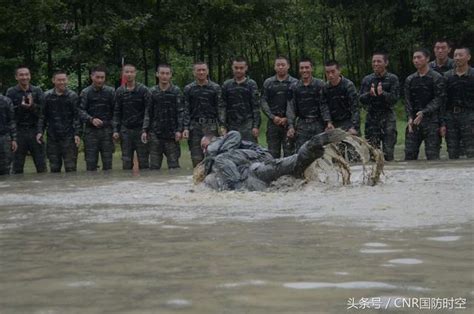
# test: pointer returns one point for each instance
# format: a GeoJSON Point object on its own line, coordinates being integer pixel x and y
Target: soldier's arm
{"type": "Point", "coordinates": [290, 108]}
{"type": "Point", "coordinates": [439, 96]}
{"type": "Point", "coordinates": [83, 108]}
{"type": "Point", "coordinates": [42, 121]}
{"type": "Point", "coordinates": [255, 102]}
{"type": "Point", "coordinates": [148, 103]}
{"type": "Point", "coordinates": [187, 109]}
{"type": "Point", "coordinates": [264, 101]}
{"type": "Point", "coordinates": [391, 97]}
{"type": "Point", "coordinates": [408, 104]}
{"type": "Point", "coordinates": [38, 103]}
{"type": "Point", "coordinates": [77, 125]}
{"type": "Point", "coordinates": [229, 141]}
{"type": "Point", "coordinates": [180, 109]}
{"type": "Point", "coordinates": [117, 117]}
{"type": "Point", "coordinates": [354, 100]}
{"type": "Point", "coordinates": [365, 92]}
{"type": "Point", "coordinates": [323, 106]}
{"type": "Point", "coordinates": [11, 117]}
{"type": "Point", "coordinates": [221, 108]}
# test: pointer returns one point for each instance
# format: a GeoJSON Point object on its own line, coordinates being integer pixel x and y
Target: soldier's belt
{"type": "Point", "coordinates": [460, 109]}
{"type": "Point", "coordinates": [205, 121]}
{"type": "Point", "coordinates": [308, 120]}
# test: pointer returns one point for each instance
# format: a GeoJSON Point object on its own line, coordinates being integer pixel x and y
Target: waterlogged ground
{"type": "Point", "coordinates": [154, 243]}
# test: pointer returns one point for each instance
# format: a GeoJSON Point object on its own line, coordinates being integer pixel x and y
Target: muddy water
{"type": "Point", "coordinates": [117, 243]}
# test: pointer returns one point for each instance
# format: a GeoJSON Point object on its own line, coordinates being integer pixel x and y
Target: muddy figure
{"type": "Point", "coordinates": [233, 164]}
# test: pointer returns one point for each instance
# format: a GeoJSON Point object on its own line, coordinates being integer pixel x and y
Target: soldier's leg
{"type": "Point", "coordinates": [389, 137]}
{"type": "Point", "coordinates": [304, 131]}
{"type": "Point", "coordinates": [5, 154]}
{"type": "Point", "coordinates": [69, 154]}
{"type": "Point", "coordinates": [453, 136]}
{"type": "Point", "coordinates": [194, 143]}
{"type": "Point", "coordinates": [467, 133]}
{"type": "Point", "coordinates": [156, 152]}
{"type": "Point", "coordinates": [54, 152]}
{"type": "Point", "coordinates": [127, 149]}
{"type": "Point", "coordinates": [246, 133]}
{"type": "Point", "coordinates": [91, 149]}
{"type": "Point", "coordinates": [171, 150]}
{"type": "Point", "coordinates": [412, 143]}
{"type": "Point", "coordinates": [373, 132]}
{"type": "Point", "coordinates": [143, 154]}
{"type": "Point", "coordinates": [37, 152]}
{"type": "Point", "coordinates": [21, 152]}
{"type": "Point", "coordinates": [107, 149]}
{"type": "Point", "coordinates": [432, 139]}
{"type": "Point", "coordinates": [274, 139]}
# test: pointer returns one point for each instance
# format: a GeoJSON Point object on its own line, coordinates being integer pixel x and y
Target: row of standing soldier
{"type": "Point", "coordinates": [151, 122]}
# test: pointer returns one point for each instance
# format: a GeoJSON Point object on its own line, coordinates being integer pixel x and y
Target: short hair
{"type": "Point", "coordinates": [21, 66]}
{"type": "Point", "coordinates": [239, 59]}
{"type": "Point", "coordinates": [468, 50]}
{"type": "Point", "coordinates": [332, 62]}
{"type": "Point", "coordinates": [424, 51]}
{"type": "Point", "coordinates": [306, 59]}
{"type": "Point", "coordinates": [129, 65]}
{"type": "Point", "coordinates": [163, 65]}
{"type": "Point", "coordinates": [443, 40]}
{"type": "Point", "coordinates": [381, 53]}
{"type": "Point", "coordinates": [200, 63]}
{"type": "Point", "coordinates": [282, 57]}
{"type": "Point", "coordinates": [98, 68]}
{"type": "Point", "coordinates": [58, 72]}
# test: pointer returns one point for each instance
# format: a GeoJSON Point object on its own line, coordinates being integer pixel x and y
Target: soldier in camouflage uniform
{"type": "Point", "coordinates": [459, 113]}
{"type": "Point", "coordinates": [96, 111]}
{"type": "Point", "coordinates": [424, 96]}
{"type": "Point", "coordinates": [60, 119]}
{"type": "Point", "coordinates": [7, 134]}
{"type": "Point", "coordinates": [241, 100]}
{"type": "Point", "coordinates": [274, 102]}
{"type": "Point", "coordinates": [204, 110]}
{"type": "Point", "coordinates": [164, 120]}
{"type": "Point", "coordinates": [442, 62]}
{"type": "Point", "coordinates": [131, 100]}
{"type": "Point", "coordinates": [27, 102]}
{"type": "Point", "coordinates": [379, 93]}
{"type": "Point", "coordinates": [306, 111]}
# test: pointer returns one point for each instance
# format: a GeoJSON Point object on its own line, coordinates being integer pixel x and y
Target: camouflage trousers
{"type": "Point", "coordinates": [194, 142]}
{"type": "Point", "coordinates": [382, 129]}
{"type": "Point", "coordinates": [5, 154]}
{"type": "Point", "coordinates": [160, 147]}
{"type": "Point", "coordinates": [245, 131]}
{"type": "Point", "coordinates": [59, 151]}
{"type": "Point", "coordinates": [26, 140]}
{"type": "Point", "coordinates": [278, 141]}
{"type": "Point", "coordinates": [98, 141]}
{"type": "Point", "coordinates": [460, 129]}
{"type": "Point", "coordinates": [305, 130]}
{"type": "Point", "coordinates": [131, 141]}
{"type": "Point", "coordinates": [428, 132]}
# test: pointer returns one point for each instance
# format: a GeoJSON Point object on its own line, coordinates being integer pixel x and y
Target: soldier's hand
{"type": "Point", "coordinates": [284, 121]}
{"type": "Point", "coordinates": [144, 138]}
{"type": "Point", "coordinates": [14, 146]}
{"type": "Point", "coordinates": [372, 90]}
{"type": "Point", "coordinates": [290, 133]}
{"type": "Point", "coordinates": [379, 89]}
{"type": "Point", "coordinates": [222, 131]}
{"type": "Point", "coordinates": [39, 138]}
{"type": "Point", "coordinates": [410, 125]}
{"type": "Point", "coordinates": [77, 140]}
{"type": "Point", "coordinates": [277, 120]}
{"type": "Point", "coordinates": [419, 117]}
{"type": "Point", "coordinates": [330, 126]}
{"type": "Point", "coordinates": [177, 136]}
{"type": "Point", "coordinates": [186, 134]}
{"type": "Point", "coordinates": [255, 132]}
{"type": "Point", "coordinates": [442, 131]}
{"type": "Point", "coordinates": [97, 122]}
{"type": "Point", "coordinates": [116, 136]}
{"type": "Point", "coordinates": [352, 131]}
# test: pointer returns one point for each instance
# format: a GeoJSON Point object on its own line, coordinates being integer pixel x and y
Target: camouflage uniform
{"type": "Point", "coordinates": [306, 105]}
{"type": "Point", "coordinates": [7, 133]}
{"type": "Point", "coordinates": [163, 118]}
{"type": "Point", "coordinates": [97, 103]}
{"type": "Point", "coordinates": [204, 114]}
{"type": "Point", "coordinates": [343, 104]}
{"type": "Point", "coordinates": [27, 125]}
{"type": "Point", "coordinates": [129, 113]}
{"type": "Point", "coordinates": [242, 107]}
{"type": "Point", "coordinates": [60, 119]}
{"type": "Point", "coordinates": [444, 68]}
{"type": "Point", "coordinates": [459, 115]}
{"type": "Point", "coordinates": [381, 121]}
{"type": "Point", "coordinates": [274, 102]}
{"type": "Point", "coordinates": [427, 94]}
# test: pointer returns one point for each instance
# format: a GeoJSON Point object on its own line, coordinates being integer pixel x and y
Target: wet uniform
{"type": "Point", "coordinates": [242, 104]}
{"type": "Point", "coordinates": [129, 113]}
{"type": "Point", "coordinates": [97, 103]}
{"type": "Point", "coordinates": [163, 118]}
{"type": "Point", "coordinates": [427, 94]}
{"type": "Point", "coordinates": [343, 104]}
{"type": "Point", "coordinates": [27, 125]}
{"type": "Point", "coordinates": [381, 121]}
{"type": "Point", "coordinates": [306, 111]}
{"type": "Point", "coordinates": [60, 120]}
{"type": "Point", "coordinates": [459, 113]}
{"type": "Point", "coordinates": [204, 114]}
{"type": "Point", "coordinates": [7, 133]}
{"type": "Point", "coordinates": [274, 102]}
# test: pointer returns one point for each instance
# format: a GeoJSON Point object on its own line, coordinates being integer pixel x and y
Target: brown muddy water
{"type": "Point", "coordinates": [154, 243]}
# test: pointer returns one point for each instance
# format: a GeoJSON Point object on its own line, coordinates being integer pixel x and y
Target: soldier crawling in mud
{"type": "Point", "coordinates": [232, 164]}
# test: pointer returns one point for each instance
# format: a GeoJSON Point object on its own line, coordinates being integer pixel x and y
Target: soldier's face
{"type": "Point", "coordinates": [239, 69]}
{"type": "Point", "coordinates": [130, 73]}
{"type": "Point", "coordinates": [60, 82]}
{"type": "Point", "coordinates": [306, 70]}
{"type": "Point", "coordinates": [98, 78]}
{"type": "Point", "coordinates": [332, 73]}
{"type": "Point", "coordinates": [23, 76]}
{"type": "Point", "coordinates": [379, 64]}
{"type": "Point", "coordinates": [441, 50]}
{"type": "Point", "coordinates": [164, 75]}
{"type": "Point", "coordinates": [419, 60]}
{"type": "Point", "coordinates": [461, 57]}
{"type": "Point", "coordinates": [281, 67]}
{"type": "Point", "coordinates": [200, 72]}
